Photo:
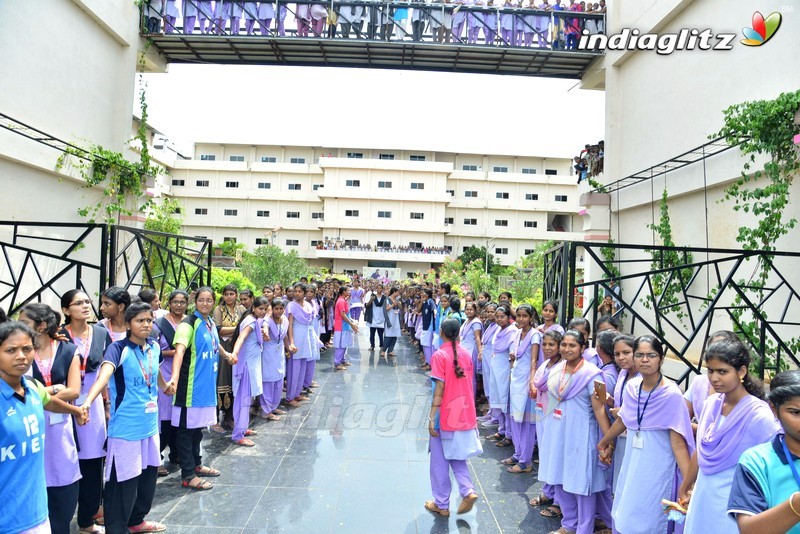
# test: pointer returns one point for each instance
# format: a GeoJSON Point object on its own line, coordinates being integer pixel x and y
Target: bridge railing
{"type": "Point", "coordinates": [448, 23]}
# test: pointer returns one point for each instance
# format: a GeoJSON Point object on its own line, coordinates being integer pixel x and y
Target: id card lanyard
{"type": "Point", "coordinates": [146, 374]}
{"type": "Point", "coordinates": [641, 409]}
{"type": "Point", "coordinates": [790, 460]}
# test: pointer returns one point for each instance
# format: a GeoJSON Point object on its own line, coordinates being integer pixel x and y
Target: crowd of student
{"type": "Point", "coordinates": [332, 245]}
{"type": "Point", "coordinates": [618, 443]}
{"type": "Point", "coordinates": [589, 163]}
{"type": "Point", "coordinates": [512, 23]}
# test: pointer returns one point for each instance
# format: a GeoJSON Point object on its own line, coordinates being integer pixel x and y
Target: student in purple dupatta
{"type": "Point", "coordinates": [660, 439]}
{"type": "Point", "coordinates": [623, 356]}
{"type": "Point", "coordinates": [550, 346]}
{"type": "Point", "coordinates": [568, 460]}
{"type": "Point", "coordinates": [521, 405]}
{"type": "Point", "coordinates": [734, 419]}
{"type": "Point", "coordinates": [501, 374]}
{"type": "Point", "coordinates": [585, 327]}
{"type": "Point", "coordinates": [700, 388]}
{"type": "Point", "coordinates": [300, 314]}
{"type": "Point", "coordinates": [316, 344]}
{"type": "Point", "coordinates": [490, 328]}
{"type": "Point", "coordinates": [470, 338]}
{"type": "Point", "coordinates": [549, 322]}
{"type": "Point", "coordinates": [273, 361]}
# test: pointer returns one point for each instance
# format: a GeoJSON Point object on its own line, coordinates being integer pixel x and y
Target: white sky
{"type": "Point", "coordinates": [370, 108]}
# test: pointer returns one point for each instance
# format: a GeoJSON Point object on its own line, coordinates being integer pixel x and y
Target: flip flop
{"type": "Point", "coordinates": [509, 461]}
{"type": "Point", "coordinates": [541, 500]}
{"type": "Point", "coordinates": [517, 469]}
{"type": "Point", "coordinates": [94, 529]}
{"type": "Point", "coordinates": [147, 526]}
{"type": "Point", "coordinates": [205, 471]}
{"type": "Point", "coordinates": [251, 432]}
{"type": "Point", "coordinates": [244, 442]}
{"type": "Point", "coordinates": [505, 442]}
{"type": "Point", "coordinates": [553, 511]}
{"type": "Point", "coordinates": [201, 484]}
{"type": "Point", "coordinates": [162, 471]}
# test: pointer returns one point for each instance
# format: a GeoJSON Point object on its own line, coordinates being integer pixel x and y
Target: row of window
{"type": "Point", "coordinates": [383, 184]}
{"type": "Point", "coordinates": [264, 159]}
{"type": "Point", "coordinates": [235, 184]}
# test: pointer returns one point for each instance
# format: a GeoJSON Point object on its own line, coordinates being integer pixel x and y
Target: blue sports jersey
{"type": "Point", "coordinates": [22, 428]}
{"type": "Point", "coordinates": [133, 390]}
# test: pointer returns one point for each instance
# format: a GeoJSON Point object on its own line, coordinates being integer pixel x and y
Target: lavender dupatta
{"type": "Point", "coordinates": [665, 411]}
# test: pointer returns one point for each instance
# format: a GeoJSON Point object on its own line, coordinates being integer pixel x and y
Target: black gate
{"type": "Point", "coordinates": [683, 301]}
{"type": "Point", "coordinates": [40, 261]}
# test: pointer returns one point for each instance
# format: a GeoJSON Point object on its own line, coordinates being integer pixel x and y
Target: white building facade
{"type": "Point", "coordinates": [408, 208]}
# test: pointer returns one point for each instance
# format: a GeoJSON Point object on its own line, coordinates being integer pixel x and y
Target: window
{"type": "Point", "coordinates": [262, 241]}
{"type": "Point", "coordinates": [531, 196]}
{"type": "Point", "coordinates": [262, 213]}
{"type": "Point", "coordinates": [316, 187]}
{"type": "Point", "coordinates": [386, 156]}
{"type": "Point", "coordinates": [415, 215]}
{"type": "Point", "coordinates": [417, 185]}
{"type": "Point", "coordinates": [415, 244]}
{"type": "Point", "coordinates": [232, 184]}
{"type": "Point", "coordinates": [178, 182]}
{"type": "Point", "coordinates": [384, 214]}
{"type": "Point", "coordinates": [384, 244]}
{"type": "Point", "coordinates": [230, 213]}
{"type": "Point", "coordinates": [295, 187]}
{"type": "Point", "coordinates": [350, 272]}
{"type": "Point", "coordinates": [351, 213]}
{"type": "Point", "coordinates": [351, 242]}
{"type": "Point", "coordinates": [413, 157]}
{"type": "Point", "coordinates": [297, 160]}
{"type": "Point", "coordinates": [229, 240]}
{"type": "Point", "coordinates": [501, 194]}
{"type": "Point", "coordinates": [201, 183]}
{"type": "Point", "coordinates": [469, 167]}
{"type": "Point", "coordinates": [384, 185]}
{"type": "Point", "coordinates": [531, 224]}
{"type": "Point", "coordinates": [501, 222]}
{"type": "Point", "coordinates": [550, 172]}
{"type": "Point", "coordinates": [201, 211]}
{"type": "Point", "coordinates": [528, 170]}
{"type": "Point", "coordinates": [448, 248]}
{"type": "Point", "coordinates": [207, 157]}
{"type": "Point", "coordinates": [498, 168]}
{"type": "Point", "coordinates": [264, 185]}
{"type": "Point", "coordinates": [471, 194]}
{"type": "Point", "coordinates": [292, 242]}
{"type": "Point", "coordinates": [448, 220]}
{"type": "Point", "coordinates": [269, 159]}
{"type": "Point", "coordinates": [353, 183]}
{"type": "Point", "coordinates": [315, 242]}
{"type": "Point", "coordinates": [318, 215]}
{"type": "Point", "coordinates": [292, 214]}
{"type": "Point", "coordinates": [471, 222]}
{"type": "Point", "coordinates": [501, 250]}
{"type": "Point", "coordinates": [451, 192]}
{"type": "Point", "coordinates": [464, 249]}
{"type": "Point", "coordinates": [236, 158]}
{"type": "Point", "coordinates": [355, 155]}
{"type": "Point", "coordinates": [529, 251]}
{"type": "Point", "coordinates": [561, 198]}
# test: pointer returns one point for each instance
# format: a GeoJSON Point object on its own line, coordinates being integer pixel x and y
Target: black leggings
{"type": "Point", "coordinates": [126, 503]}
{"type": "Point", "coordinates": [372, 337]}
{"type": "Point", "coordinates": [61, 504]}
{"type": "Point", "coordinates": [90, 490]}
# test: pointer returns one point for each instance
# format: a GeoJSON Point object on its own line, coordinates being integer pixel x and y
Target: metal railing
{"type": "Point", "coordinates": [453, 23]}
{"type": "Point", "coordinates": [683, 301]}
{"type": "Point", "coordinates": [40, 261]}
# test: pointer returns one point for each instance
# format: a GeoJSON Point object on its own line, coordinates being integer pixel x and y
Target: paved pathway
{"type": "Point", "coordinates": [353, 460]}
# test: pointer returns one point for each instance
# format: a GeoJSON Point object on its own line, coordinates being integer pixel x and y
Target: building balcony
{"type": "Point", "coordinates": [386, 255]}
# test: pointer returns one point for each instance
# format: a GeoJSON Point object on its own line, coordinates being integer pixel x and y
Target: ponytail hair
{"type": "Point", "coordinates": [449, 331]}
{"type": "Point", "coordinates": [38, 312]}
{"type": "Point", "coordinates": [784, 387]}
{"type": "Point", "coordinates": [735, 354]}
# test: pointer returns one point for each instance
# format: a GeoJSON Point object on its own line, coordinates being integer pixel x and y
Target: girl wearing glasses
{"type": "Point", "coordinates": [92, 341]}
{"type": "Point", "coordinates": [660, 439]}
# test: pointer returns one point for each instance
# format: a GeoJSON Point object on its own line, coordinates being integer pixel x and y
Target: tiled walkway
{"type": "Point", "coordinates": [353, 460]}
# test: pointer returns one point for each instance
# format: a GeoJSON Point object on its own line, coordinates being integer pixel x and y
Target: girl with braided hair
{"type": "Point", "coordinates": [452, 423]}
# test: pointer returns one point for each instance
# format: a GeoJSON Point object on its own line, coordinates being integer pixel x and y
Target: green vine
{"type": "Point", "coordinates": [764, 128]}
{"type": "Point", "coordinates": [123, 182]}
{"type": "Point", "coordinates": [610, 255]}
{"type": "Point", "coordinates": [597, 186]}
{"type": "Point", "coordinates": [667, 286]}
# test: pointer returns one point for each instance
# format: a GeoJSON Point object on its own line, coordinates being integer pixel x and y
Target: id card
{"type": "Point", "coordinates": [638, 441]}
{"type": "Point", "coordinates": [539, 407]}
{"type": "Point", "coordinates": [151, 407]}
{"type": "Point", "coordinates": [557, 414]}
{"type": "Point", "coordinates": [56, 418]}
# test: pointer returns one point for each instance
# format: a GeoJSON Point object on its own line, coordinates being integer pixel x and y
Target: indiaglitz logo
{"type": "Point", "coordinates": [685, 39]}
{"type": "Point", "coordinates": [762, 30]}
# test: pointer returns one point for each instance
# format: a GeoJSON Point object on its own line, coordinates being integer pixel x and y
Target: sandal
{"type": "Point", "coordinates": [162, 471]}
{"type": "Point", "coordinates": [541, 500]}
{"type": "Point", "coordinates": [244, 442]}
{"type": "Point", "coordinates": [270, 416]}
{"type": "Point", "coordinates": [509, 461]}
{"type": "Point", "coordinates": [517, 469]}
{"type": "Point", "coordinates": [562, 530]}
{"type": "Point", "coordinates": [250, 432]}
{"type": "Point", "coordinates": [279, 412]}
{"type": "Point", "coordinates": [495, 437]}
{"type": "Point", "coordinates": [217, 429]}
{"type": "Point", "coordinates": [148, 526]}
{"type": "Point", "coordinates": [553, 511]}
{"type": "Point", "coordinates": [314, 385]}
{"type": "Point", "coordinates": [431, 507]}
{"type": "Point", "coordinates": [205, 471]}
{"type": "Point", "coordinates": [200, 484]}
{"type": "Point", "coordinates": [505, 442]}
{"type": "Point", "coordinates": [467, 503]}
{"type": "Point", "coordinates": [94, 529]}
{"type": "Point", "coordinates": [98, 518]}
